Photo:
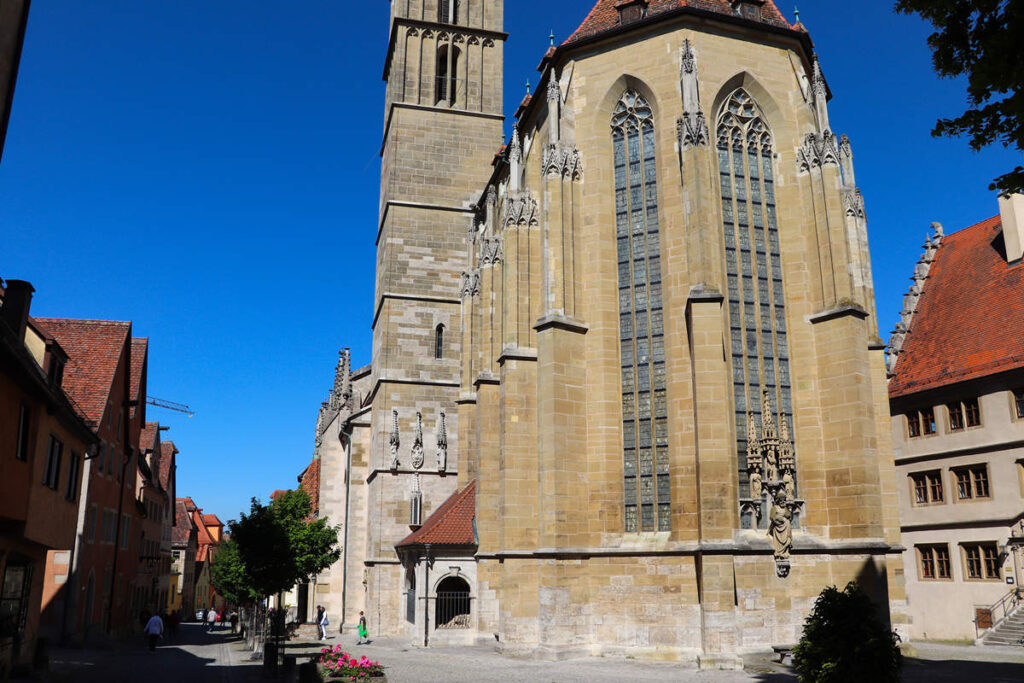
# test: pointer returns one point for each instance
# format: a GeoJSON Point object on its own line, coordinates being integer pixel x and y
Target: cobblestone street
{"type": "Point", "coordinates": [194, 656]}
{"type": "Point", "coordinates": [200, 657]}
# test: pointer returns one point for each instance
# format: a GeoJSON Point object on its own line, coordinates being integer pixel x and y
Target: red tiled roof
{"type": "Point", "coordinates": [277, 493]}
{"type": "Point", "coordinates": [212, 520]}
{"type": "Point", "coordinates": [147, 437]}
{"type": "Point", "coordinates": [183, 525]}
{"type": "Point", "coordinates": [94, 348]}
{"type": "Point", "coordinates": [450, 524]}
{"type": "Point", "coordinates": [969, 321]}
{"type": "Point", "coordinates": [140, 352]}
{"type": "Point", "coordinates": [605, 15]}
{"type": "Point", "coordinates": [167, 452]}
{"type": "Point", "coordinates": [309, 481]}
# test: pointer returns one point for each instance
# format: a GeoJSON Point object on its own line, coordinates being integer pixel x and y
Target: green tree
{"type": "Point", "coordinates": [844, 641]}
{"type": "Point", "coordinates": [981, 39]}
{"type": "Point", "coordinates": [230, 576]}
{"type": "Point", "coordinates": [280, 544]}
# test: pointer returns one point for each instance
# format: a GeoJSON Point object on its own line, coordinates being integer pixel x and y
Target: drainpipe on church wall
{"type": "Point", "coordinates": [348, 509]}
{"type": "Point", "coordinates": [426, 597]}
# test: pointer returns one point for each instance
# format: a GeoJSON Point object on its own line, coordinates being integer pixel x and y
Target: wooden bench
{"type": "Point", "coordinates": [784, 653]}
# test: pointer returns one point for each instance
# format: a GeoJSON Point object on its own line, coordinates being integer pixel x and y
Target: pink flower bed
{"type": "Point", "coordinates": [339, 664]}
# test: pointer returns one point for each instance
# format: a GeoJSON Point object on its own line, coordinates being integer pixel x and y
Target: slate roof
{"type": "Point", "coordinates": [969, 321]}
{"type": "Point", "coordinates": [450, 524]}
{"type": "Point", "coordinates": [605, 14]}
{"type": "Point", "coordinates": [94, 349]}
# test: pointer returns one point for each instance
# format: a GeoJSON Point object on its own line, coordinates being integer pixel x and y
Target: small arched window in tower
{"type": "Point", "coordinates": [448, 11]}
{"type": "Point", "coordinates": [439, 342]}
{"type": "Point", "coordinates": [447, 71]}
{"type": "Point", "coordinates": [452, 608]}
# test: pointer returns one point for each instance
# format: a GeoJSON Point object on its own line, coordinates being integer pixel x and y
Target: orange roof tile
{"type": "Point", "coordinates": [309, 481]}
{"type": "Point", "coordinates": [969, 321]}
{"type": "Point", "coordinates": [94, 348]}
{"type": "Point", "coordinates": [183, 525]}
{"type": "Point", "coordinates": [450, 524]}
{"type": "Point", "coordinates": [605, 14]}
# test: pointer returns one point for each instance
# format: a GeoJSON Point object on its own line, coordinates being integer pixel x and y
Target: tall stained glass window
{"type": "Point", "coordinates": [757, 310]}
{"type": "Point", "coordinates": [641, 320]}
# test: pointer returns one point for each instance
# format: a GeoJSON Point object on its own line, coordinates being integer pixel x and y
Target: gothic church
{"type": "Point", "coordinates": [627, 394]}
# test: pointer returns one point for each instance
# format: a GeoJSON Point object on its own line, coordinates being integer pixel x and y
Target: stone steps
{"type": "Point", "coordinates": [1009, 632]}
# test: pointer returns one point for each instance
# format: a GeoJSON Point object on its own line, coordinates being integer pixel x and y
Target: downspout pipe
{"type": "Point", "coordinates": [347, 436]}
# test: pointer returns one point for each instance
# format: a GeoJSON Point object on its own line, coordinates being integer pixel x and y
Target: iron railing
{"type": "Point", "coordinates": [998, 612]}
{"type": "Point", "coordinates": [452, 610]}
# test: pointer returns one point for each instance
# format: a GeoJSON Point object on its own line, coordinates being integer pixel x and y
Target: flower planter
{"type": "Point", "coordinates": [326, 675]}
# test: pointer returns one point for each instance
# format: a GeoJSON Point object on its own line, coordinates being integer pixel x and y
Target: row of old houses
{"type": "Point", "coordinates": [92, 534]}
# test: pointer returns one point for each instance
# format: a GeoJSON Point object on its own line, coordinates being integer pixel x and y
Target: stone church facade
{"type": "Point", "coordinates": [637, 343]}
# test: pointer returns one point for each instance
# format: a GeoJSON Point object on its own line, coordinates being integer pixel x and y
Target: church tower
{"type": "Point", "coordinates": [442, 127]}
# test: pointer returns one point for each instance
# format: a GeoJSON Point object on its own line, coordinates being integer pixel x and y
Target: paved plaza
{"type": "Point", "coordinates": [196, 656]}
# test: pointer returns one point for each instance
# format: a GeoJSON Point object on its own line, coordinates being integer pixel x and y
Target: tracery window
{"type": "Point", "coordinates": [447, 72]}
{"type": "Point", "coordinates": [641, 319]}
{"type": "Point", "coordinates": [757, 309]}
{"type": "Point", "coordinates": [448, 11]}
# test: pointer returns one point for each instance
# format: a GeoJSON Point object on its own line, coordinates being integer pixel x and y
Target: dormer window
{"type": "Point", "coordinates": [748, 9]}
{"type": "Point", "coordinates": [631, 10]}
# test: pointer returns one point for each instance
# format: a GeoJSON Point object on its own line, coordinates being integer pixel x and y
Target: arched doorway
{"type": "Point", "coordinates": [452, 606]}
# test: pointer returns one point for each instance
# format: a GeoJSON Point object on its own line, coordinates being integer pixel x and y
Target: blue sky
{"type": "Point", "coordinates": [209, 170]}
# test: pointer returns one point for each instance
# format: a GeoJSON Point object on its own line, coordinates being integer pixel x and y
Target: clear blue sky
{"type": "Point", "coordinates": [209, 170]}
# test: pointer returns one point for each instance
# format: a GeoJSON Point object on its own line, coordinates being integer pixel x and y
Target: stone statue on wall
{"type": "Point", "coordinates": [393, 440]}
{"type": "Point", "coordinates": [442, 443]}
{"type": "Point", "coordinates": [780, 529]}
{"type": "Point", "coordinates": [417, 443]}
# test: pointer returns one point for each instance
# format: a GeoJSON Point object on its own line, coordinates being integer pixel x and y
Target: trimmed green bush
{"type": "Point", "coordinates": [844, 641]}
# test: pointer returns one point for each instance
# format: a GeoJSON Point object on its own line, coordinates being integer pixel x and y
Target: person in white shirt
{"type": "Point", "coordinates": [154, 629]}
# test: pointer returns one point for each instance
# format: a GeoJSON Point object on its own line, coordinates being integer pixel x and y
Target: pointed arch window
{"type": "Point", "coordinates": [447, 72]}
{"type": "Point", "coordinates": [647, 486]}
{"type": "Point", "coordinates": [439, 342]}
{"type": "Point", "coordinates": [757, 308]}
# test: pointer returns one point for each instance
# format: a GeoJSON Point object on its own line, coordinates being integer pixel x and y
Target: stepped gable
{"type": "Point", "coordinates": [605, 14]}
{"type": "Point", "coordinates": [94, 348]}
{"type": "Point", "coordinates": [969, 322]}
{"type": "Point", "coordinates": [450, 524]}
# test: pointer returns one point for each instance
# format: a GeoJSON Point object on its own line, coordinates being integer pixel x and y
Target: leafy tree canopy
{"type": "Point", "coordinates": [981, 39]}
{"type": "Point", "coordinates": [280, 545]}
{"type": "Point", "coordinates": [229, 576]}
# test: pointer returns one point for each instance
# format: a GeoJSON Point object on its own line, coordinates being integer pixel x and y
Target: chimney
{"type": "Point", "coordinates": [18, 299]}
{"type": "Point", "coordinates": [1011, 211]}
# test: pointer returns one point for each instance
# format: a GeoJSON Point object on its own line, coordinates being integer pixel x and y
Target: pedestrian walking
{"type": "Point", "coordinates": [154, 629]}
{"type": "Point", "coordinates": [322, 621]}
{"type": "Point", "coordinates": [234, 621]}
{"type": "Point", "coordinates": [362, 630]}
{"type": "Point", "coordinates": [172, 624]}
{"type": "Point", "coordinates": [211, 619]}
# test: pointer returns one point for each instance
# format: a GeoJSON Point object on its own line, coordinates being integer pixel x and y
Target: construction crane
{"type": "Point", "coordinates": [169, 405]}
